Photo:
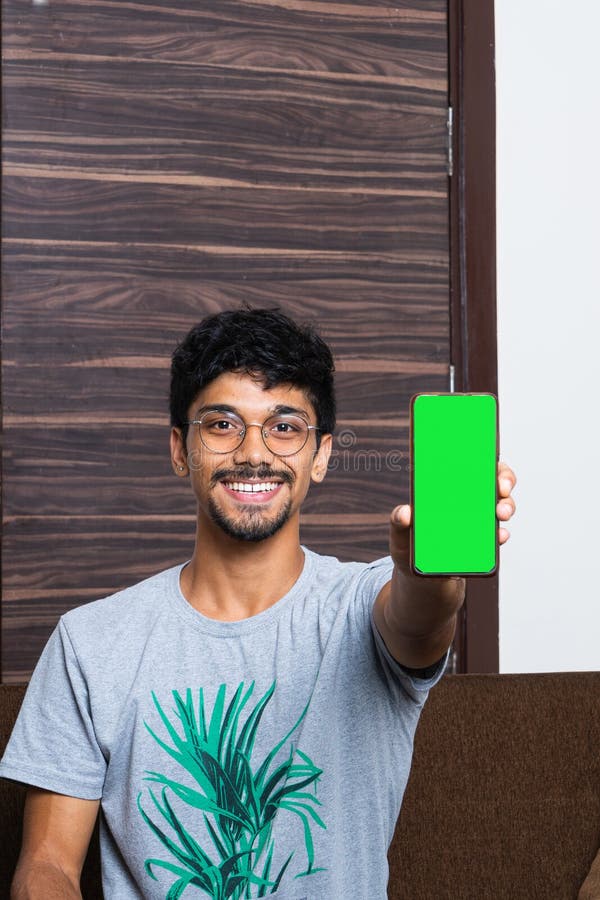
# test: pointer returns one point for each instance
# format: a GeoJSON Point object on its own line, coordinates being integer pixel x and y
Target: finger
{"type": "Point", "coordinates": [506, 479]}
{"type": "Point", "coordinates": [401, 515]}
{"type": "Point", "coordinates": [506, 508]}
{"type": "Point", "coordinates": [503, 535]}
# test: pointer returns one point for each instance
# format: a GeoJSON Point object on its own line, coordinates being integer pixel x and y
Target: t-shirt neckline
{"type": "Point", "coordinates": [218, 628]}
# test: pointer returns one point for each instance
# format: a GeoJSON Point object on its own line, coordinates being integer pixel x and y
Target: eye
{"type": "Point", "coordinates": [218, 423]}
{"type": "Point", "coordinates": [286, 427]}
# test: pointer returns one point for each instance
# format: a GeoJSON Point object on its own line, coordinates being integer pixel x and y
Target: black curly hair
{"type": "Point", "coordinates": [259, 342]}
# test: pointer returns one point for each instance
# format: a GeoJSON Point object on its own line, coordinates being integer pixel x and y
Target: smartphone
{"type": "Point", "coordinates": [454, 461]}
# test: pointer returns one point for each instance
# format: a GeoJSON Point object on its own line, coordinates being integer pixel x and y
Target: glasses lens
{"type": "Point", "coordinates": [285, 435]}
{"type": "Point", "coordinates": [220, 431]}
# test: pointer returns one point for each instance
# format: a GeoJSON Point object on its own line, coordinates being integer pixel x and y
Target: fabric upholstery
{"type": "Point", "coordinates": [503, 802]}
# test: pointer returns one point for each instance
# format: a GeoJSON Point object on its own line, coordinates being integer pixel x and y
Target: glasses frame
{"type": "Point", "coordinates": [247, 425]}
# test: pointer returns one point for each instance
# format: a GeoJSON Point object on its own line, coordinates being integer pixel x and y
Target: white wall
{"type": "Point", "coordinates": [548, 111]}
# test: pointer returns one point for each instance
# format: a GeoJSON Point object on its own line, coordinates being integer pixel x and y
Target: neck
{"type": "Point", "coordinates": [230, 579]}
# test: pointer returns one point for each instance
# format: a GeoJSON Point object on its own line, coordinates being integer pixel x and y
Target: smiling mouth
{"type": "Point", "coordinates": [252, 487]}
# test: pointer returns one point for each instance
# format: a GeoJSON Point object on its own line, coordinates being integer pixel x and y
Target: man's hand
{"type": "Point", "coordinates": [401, 518]}
{"type": "Point", "coordinates": [416, 616]}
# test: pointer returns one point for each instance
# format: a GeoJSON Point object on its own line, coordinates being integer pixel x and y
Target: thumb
{"type": "Point", "coordinates": [401, 516]}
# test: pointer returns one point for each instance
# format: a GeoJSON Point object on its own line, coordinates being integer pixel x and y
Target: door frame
{"type": "Point", "coordinates": [473, 334]}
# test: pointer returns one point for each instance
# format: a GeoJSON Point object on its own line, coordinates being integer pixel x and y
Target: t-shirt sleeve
{"type": "Point", "coordinates": [53, 744]}
{"type": "Point", "coordinates": [374, 577]}
{"type": "Point", "coordinates": [415, 686]}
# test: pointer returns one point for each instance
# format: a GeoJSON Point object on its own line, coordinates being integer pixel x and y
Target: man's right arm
{"type": "Point", "coordinates": [56, 835]}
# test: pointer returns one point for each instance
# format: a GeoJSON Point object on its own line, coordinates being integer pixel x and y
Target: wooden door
{"type": "Point", "coordinates": [165, 161]}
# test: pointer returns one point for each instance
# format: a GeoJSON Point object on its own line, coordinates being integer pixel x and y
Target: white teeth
{"type": "Point", "coordinates": [253, 488]}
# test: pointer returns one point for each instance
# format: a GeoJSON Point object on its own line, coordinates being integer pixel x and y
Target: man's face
{"type": "Point", "coordinates": [225, 483]}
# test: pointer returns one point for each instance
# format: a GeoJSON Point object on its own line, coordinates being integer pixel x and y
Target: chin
{"type": "Point", "coordinates": [251, 528]}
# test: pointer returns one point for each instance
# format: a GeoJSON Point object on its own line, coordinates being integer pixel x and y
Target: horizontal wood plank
{"type": "Point", "coordinates": [402, 40]}
{"type": "Point", "coordinates": [244, 265]}
{"type": "Point", "coordinates": [101, 307]}
{"type": "Point", "coordinates": [170, 214]}
{"type": "Point", "coordinates": [178, 102]}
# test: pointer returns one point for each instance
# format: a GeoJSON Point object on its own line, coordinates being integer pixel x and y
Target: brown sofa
{"type": "Point", "coordinates": [503, 801]}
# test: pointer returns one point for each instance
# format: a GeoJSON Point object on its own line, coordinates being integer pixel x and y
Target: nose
{"type": "Point", "coordinates": [253, 449]}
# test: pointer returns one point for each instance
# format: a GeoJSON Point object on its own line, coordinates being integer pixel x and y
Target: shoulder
{"type": "Point", "coordinates": [122, 610]}
{"type": "Point", "coordinates": [357, 577]}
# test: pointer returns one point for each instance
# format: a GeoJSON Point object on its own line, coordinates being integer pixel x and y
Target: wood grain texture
{"type": "Point", "coordinates": [403, 39]}
{"type": "Point", "coordinates": [193, 216]}
{"type": "Point", "coordinates": [163, 162]}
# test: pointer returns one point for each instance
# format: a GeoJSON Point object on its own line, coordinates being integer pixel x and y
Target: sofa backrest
{"type": "Point", "coordinates": [503, 801]}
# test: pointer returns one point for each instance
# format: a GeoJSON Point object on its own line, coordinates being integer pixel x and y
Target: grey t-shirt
{"type": "Point", "coordinates": [233, 759]}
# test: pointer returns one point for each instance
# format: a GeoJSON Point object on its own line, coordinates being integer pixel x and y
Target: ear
{"type": "Point", "coordinates": [321, 458]}
{"type": "Point", "coordinates": [178, 453]}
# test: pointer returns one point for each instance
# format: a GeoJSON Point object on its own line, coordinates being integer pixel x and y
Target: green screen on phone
{"type": "Point", "coordinates": [454, 464]}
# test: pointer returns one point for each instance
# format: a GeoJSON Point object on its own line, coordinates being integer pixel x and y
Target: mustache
{"type": "Point", "coordinates": [247, 473]}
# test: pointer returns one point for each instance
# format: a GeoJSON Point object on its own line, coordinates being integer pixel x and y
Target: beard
{"type": "Point", "coordinates": [251, 526]}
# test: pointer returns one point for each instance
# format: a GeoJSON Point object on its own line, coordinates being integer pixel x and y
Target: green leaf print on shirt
{"type": "Point", "coordinates": [238, 803]}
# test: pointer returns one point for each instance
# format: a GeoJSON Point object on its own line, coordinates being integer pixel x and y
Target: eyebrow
{"type": "Point", "coordinates": [279, 409]}
{"type": "Point", "coordinates": [282, 409]}
{"type": "Point", "coordinates": [217, 407]}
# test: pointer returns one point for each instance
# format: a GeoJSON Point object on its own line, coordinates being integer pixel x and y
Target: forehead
{"type": "Point", "coordinates": [248, 396]}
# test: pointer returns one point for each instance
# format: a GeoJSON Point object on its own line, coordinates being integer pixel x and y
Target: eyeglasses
{"type": "Point", "coordinates": [224, 432]}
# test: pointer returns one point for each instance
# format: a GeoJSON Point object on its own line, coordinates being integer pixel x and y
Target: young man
{"type": "Point", "coordinates": [246, 719]}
